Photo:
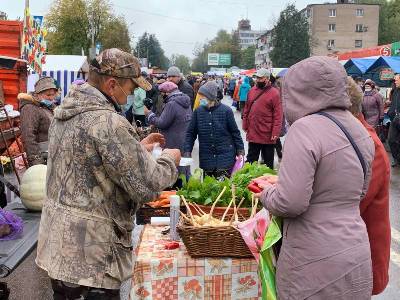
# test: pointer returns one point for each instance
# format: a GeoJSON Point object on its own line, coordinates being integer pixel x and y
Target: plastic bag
{"type": "Point", "coordinates": [238, 164]}
{"type": "Point", "coordinates": [253, 232]}
{"type": "Point", "coordinates": [267, 261]}
{"type": "Point", "coordinates": [11, 225]}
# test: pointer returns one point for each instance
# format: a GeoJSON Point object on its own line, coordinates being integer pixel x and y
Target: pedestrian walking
{"type": "Point", "coordinates": [372, 104]}
{"type": "Point", "coordinates": [36, 116]}
{"type": "Point", "coordinates": [325, 250]}
{"type": "Point", "coordinates": [175, 75]}
{"type": "Point", "coordinates": [374, 208]}
{"type": "Point", "coordinates": [394, 115]}
{"type": "Point", "coordinates": [220, 142]}
{"type": "Point", "coordinates": [243, 92]}
{"type": "Point", "coordinates": [100, 174]}
{"type": "Point", "coordinates": [262, 119]}
{"type": "Point", "coordinates": [174, 119]}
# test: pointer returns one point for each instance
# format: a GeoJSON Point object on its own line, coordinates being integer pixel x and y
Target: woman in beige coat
{"type": "Point", "coordinates": [325, 251]}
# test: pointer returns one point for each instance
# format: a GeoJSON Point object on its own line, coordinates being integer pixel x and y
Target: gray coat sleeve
{"type": "Point", "coordinates": [291, 196]}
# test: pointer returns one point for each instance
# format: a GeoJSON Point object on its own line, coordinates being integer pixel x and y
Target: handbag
{"type": "Point", "coordinates": [349, 137]}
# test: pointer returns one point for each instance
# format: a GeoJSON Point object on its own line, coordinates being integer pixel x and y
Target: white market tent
{"type": "Point", "coordinates": [63, 68]}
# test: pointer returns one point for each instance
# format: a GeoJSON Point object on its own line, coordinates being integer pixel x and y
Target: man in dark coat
{"type": "Point", "coordinates": [262, 119]}
{"type": "Point", "coordinates": [175, 75]}
{"type": "Point", "coordinates": [394, 131]}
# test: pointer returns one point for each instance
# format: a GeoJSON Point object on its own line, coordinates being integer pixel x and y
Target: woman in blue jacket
{"type": "Point", "coordinates": [243, 91]}
{"type": "Point", "coordinates": [214, 125]}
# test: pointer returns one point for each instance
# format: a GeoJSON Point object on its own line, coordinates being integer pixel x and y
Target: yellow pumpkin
{"type": "Point", "coordinates": [33, 187]}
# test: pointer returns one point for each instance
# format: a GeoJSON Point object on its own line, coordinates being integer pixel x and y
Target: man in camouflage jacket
{"type": "Point", "coordinates": [98, 175]}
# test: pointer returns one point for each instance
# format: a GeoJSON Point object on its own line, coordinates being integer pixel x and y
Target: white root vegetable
{"type": "Point", "coordinates": [227, 209]}
{"type": "Point", "coordinates": [189, 211]}
{"type": "Point", "coordinates": [218, 198]}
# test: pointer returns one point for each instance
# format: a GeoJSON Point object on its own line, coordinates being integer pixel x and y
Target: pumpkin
{"type": "Point", "coordinates": [33, 187]}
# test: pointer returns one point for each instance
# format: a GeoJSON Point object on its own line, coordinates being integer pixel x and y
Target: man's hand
{"type": "Point", "coordinates": [274, 138]}
{"type": "Point", "coordinates": [175, 154]}
{"type": "Point", "coordinates": [153, 138]}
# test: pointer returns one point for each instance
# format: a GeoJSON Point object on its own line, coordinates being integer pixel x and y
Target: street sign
{"type": "Point", "coordinates": [219, 59]}
{"type": "Point", "coordinates": [213, 59]}
{"type": "Point", "coordinates": [224, 60]}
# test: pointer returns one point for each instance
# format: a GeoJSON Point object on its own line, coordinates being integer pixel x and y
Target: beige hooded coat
{"type": "Point", "coordinates": [325, 252]}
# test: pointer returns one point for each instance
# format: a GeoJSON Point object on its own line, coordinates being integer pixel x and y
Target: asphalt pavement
{"type": "Point", "coordinates": [392, 291]}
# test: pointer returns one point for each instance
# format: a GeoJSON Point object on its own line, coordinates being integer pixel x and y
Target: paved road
{"type": "Point", "coordinates": [393, 290]}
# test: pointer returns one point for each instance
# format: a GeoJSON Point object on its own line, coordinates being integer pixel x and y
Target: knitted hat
{"type": "Point", "coordinates": [209, 90]}
{"type": "Point", "coordinates": [167, 87]}
{"type": "Point", "coordinates": [173, 72]}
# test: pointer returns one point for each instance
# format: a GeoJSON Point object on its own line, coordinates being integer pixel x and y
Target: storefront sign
{"type": "Point", "coordinates": [386, 74]}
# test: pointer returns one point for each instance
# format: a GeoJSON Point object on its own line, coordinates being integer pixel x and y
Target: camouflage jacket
{"type": "Point", "coordinates": [98, 174]}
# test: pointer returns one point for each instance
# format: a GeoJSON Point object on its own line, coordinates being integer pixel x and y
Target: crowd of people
{"type": "Point", "coordinates": [100, 171]}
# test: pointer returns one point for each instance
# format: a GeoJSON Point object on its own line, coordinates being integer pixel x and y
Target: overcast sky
{"type": "Point", "coordinates": [179, 24]}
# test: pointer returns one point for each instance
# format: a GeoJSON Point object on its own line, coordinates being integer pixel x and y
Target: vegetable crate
{"type": "Point", "coordinates": [209, 241]}
{"type": "Point", "coordinates": [144, 214]}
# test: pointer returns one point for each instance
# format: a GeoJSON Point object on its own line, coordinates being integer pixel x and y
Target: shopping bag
{"type": "Point", "coordinates": [11, 226]}
{"type": "Point", "coordinates": [238, 164]}
{"type": "Point", "coordinates": [267, 264]}
{"type": "Point", "coordinates": [253, 232]}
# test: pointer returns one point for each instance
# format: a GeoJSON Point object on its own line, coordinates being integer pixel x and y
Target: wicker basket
{"type": "Point", "coordinates": [213, 241]}
{"type": "Point", "coordinates": [144, 214]}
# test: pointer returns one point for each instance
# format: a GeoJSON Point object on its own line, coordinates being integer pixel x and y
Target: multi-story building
{"type": "Point", "coordinates": [263, 48]}
{"type": "Point", "coordinates": [342, 26]}
{"type": "Point", "coordinates": [246, 36]}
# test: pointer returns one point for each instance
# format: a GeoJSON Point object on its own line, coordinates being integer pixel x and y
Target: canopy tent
{"type": "Point", "coordinates": [282, 73]}
{"type": "Point", "coordinates": [248, 72]}
{"type": "Point", "coordinates": [358, 66]}
{"type": "Point", "coordinates": [383, 69]}
{"type": "Point", "coordinates": [63, 68]}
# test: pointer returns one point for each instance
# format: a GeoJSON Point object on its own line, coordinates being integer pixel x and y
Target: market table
{"type": "Point", "coordinates": [173, 274]}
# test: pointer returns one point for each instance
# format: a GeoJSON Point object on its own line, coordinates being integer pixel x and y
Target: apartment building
{"type": "Point", "coordinates": [247, 36]}
{"type": "Point", "coordinates": [263, 48]}
{"type": "Point", "coordinates": [342, 26]}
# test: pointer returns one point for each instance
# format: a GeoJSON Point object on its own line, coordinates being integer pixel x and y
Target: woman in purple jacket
{"type": "Point", "coordinates": [372, 105]}
{"type": "Point", "coordinates": [325, 250]}
{"type": "Point", "coordinates": [174, 119]}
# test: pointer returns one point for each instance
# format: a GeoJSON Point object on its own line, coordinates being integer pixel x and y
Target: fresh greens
{"type": "Point", "coordinates": [206, 192]}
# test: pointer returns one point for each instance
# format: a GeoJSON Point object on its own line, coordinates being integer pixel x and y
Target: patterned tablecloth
{"type": "Point", "coordinates": [173, 274]}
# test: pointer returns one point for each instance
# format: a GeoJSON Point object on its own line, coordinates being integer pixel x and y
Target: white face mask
{"type": "Point", "coordinates": [368, 88]}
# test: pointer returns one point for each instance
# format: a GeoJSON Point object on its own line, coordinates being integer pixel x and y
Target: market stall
{"type": "Point", "coordinates": [173, 274]}
{"type": "Point", "coordinates": [358, 66]}
{"type": "Point", "coordinates": [383, 70]}
{"type": "Point", "coordinates": [63, 68]}
{"type": "Point", "coordinates": [225, 245]}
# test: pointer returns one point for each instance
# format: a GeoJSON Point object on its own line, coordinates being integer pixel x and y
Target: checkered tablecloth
{"type": "Point", "coordinates": [174, 275]}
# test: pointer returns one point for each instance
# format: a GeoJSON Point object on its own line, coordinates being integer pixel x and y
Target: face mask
{"type": "Point", "coordinates": [203, 102]}
{"type": "Point", "coordinates": [261, 85]}
{"type": "Point", "coordinates": [164, 96]}
{"type": "Point", "coordinates": [46, 103]}
{"type": "Point", "coordinates": [126, 95]}
{"type": "Point", "coordinates": [368, 89]}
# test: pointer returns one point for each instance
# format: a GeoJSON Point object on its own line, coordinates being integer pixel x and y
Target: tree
{"type": "Point", "coordinates": [290, 41]}
{"type": "Point", "coordinates": [389, 20]}
{"type": "Point", "coordinates": [149, 47]}
{"type": "Point", "coordinates": [248, 58]}
{"type": "Point", "coordinates": [72, 24]}
{"type": "Point", "coordinates": [182, 62]}
{"type": "Point", "coordinates": [109, 39]}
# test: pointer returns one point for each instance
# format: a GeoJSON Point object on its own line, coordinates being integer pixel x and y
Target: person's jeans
{"type": "Point", "coordinates": [267, 150]}
{"type": "Point", "coordinates": [69, 291]}
{"type": "Point", "coordinates": [394, 142]}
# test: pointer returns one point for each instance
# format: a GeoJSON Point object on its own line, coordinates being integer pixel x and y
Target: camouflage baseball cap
{"type": "Point", "coordinates": [117, 63]}
{"type": "Point", "coordinates": [44, 83]}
